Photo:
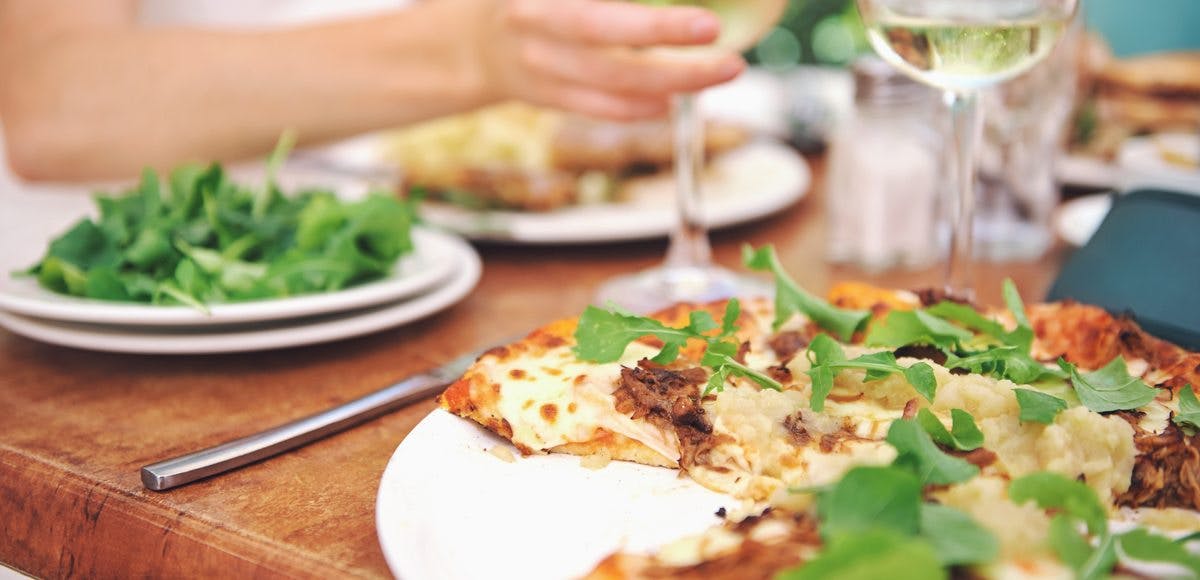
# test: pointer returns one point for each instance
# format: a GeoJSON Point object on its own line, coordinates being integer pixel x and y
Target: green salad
{"type": "Point", "coordinates": [200, 238]}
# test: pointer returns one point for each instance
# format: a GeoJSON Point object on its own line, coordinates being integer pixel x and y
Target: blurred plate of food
{"type": "Point", "coordinates": [1124, 99]}
{"type": "Point", "coordinates": [524, 174]}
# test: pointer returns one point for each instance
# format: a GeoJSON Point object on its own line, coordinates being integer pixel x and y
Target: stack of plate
{"type": "Point", "coordinates": [440, 272]}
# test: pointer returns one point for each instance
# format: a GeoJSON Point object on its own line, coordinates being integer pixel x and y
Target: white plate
{"type": "Point", "coordinates": [1144, 162]}
{"type": "Point", "coordinates": [747, 183]}
{"type": "Point", "coordinates": [255, 336]}
{"type": "Point", "coordinates": [1076, 220]}
{"type": "Point", "coordinates": [431, 263]}
{"type": "Point", "coordinates": [540, 517]}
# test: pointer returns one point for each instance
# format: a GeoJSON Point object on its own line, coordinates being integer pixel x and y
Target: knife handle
{"type": "Point", "coordinates": [185, 469]}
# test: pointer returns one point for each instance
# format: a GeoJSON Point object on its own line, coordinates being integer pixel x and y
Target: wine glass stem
{"type": "Point", "coordinates": [689, 247]}
{"type": "Point", "coordinates": [965, 122]}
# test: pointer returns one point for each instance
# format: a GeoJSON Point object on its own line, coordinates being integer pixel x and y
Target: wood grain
{"type": "Point", "coordinates": [79, 424]}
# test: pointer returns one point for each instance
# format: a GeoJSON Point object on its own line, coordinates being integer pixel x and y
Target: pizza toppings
{"type": "Point", "coordinates": [1110, 388]}
{"type": "Point", "coordinates": [1166, 471]}
{"type": "Point", "coordinates": [670, 399]}
{"type": "Point", "coordinates": [787, 343]}
{"type": "Point", "coordinates": [943, 405]}
{"type": "Point", "coordinates": [755, 548]}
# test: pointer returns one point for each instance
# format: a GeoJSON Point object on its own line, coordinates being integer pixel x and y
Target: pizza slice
{"type": "Point", "coordinates": [796, 393]}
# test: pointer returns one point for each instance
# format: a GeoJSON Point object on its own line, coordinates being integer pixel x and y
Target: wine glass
{"type": "Point", "coordinates": [688, 273]}
{"type": "Point", "coordinates": [960, 47]}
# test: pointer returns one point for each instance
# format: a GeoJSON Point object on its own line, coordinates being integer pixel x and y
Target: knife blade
{"type": "Point", "coordinates": [185, 469]}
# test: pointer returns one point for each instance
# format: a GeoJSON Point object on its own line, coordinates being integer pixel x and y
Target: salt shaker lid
{"type": "Point", "coordinates": [876, 81]}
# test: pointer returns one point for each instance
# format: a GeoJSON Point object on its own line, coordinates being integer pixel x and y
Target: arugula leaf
{"type": "Point", "coordinates": [84, 246]}
{"type": "Point", "coordinates": [1087, 561]}
{"type": "Point", "coordinates": [105, 284]}
{"type": "Point", "coordinates": [1066, 541]}
{"type": "Point", "coordinates": [905, 327]}
{"type": "Point", "coordinates": [968, 317]}
{"type": "Point", "coordinates": [1189, 409]}
{"type": "Point", "coordinates": [919, 454]}
{"type": "Point", "coordinates": [1005, 362]}
{"type": "Point", "coordinates": [1075, 502]}
{"type": "Point", "coordinates": [719, 355]}
{"type": "Point", "coordinates": [876, 553]}
{"type": "Point", "coordinates": [264, 196]}
{"type": "Point", "coordinates": [1110, 388]}
{"type": "Point", "coordinates": [956, 538]}
{"type": "Point", "coordinates": [869, 497]}
{"type": "Point", "coordinates": [1101, 561]}
{"type": "Point", "coordinates": [791, 299]}
{"type": "Point", "coordinates": [1023, 335]}
{"type": "Point", "coordinates": [1055, 491]}
{"type": "Point", "coordinates": [822, 352]}
{"type": "Point", "coordinates": [602, 336]}
{"type": "Point", "coordinates": [59, 275]}
{"type": "Point", "coordinates": [1039, 407]}
{"type": "Point", "coordinates": [963, 435]}
{"type": "Point", "coordinates": [827, 358]}
{"type": "Point", "coordinates": [1141, 545]}
{"type": "Point", "coordinates": [882, 507]}
{"type": "Point", "coordinates": [1188, 538]}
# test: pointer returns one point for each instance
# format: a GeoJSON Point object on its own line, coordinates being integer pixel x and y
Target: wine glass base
{"type": "Point", "coordinates": [657, 288]}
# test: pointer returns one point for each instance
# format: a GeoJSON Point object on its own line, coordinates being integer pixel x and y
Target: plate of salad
{"type": "Point", "coordinates": [200, 248]}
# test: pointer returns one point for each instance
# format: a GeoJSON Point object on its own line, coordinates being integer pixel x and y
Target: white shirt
{"type": "Point", "coordinates": [257, 13]}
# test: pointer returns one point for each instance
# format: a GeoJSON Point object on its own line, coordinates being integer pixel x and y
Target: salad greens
{"type": "Point", "coordinates": [200, 238]}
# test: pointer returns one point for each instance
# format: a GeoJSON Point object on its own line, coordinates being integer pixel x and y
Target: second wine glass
{"type": "Point", "coordinates": [960, 47]}
{"type": "Point", "coordinates": [688, 273]}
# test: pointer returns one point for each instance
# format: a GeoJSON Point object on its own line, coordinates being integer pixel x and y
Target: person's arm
{"type": "Point", "coordinates": [85, 92]}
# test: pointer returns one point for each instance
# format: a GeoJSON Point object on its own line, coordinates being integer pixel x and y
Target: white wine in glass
{"type": "Point", "coordinates": [688, 273]}
{"type": "Point", "coordinates": [961, 46]}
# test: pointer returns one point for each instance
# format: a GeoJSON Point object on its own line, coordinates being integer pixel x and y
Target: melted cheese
{"type": "Point", "coordinates": [553, 398]}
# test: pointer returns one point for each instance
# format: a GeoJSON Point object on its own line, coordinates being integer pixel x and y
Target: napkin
{"type": "Point", "coordinates": [1144, 260]}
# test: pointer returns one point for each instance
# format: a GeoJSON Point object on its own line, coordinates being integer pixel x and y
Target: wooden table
{"type": "Point", "coordinates": [80, 424]}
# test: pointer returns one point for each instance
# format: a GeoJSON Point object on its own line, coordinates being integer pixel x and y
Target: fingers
{"type": "Point", "coordinates": [601, 104]}
{"type": "Point", "coordinates": [640, 73]}
{"type": "Point", "coordinates": [618, 23]}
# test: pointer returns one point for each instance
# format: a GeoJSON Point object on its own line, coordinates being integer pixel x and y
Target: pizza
{"type": "Point", "coordinates": [986, 438]}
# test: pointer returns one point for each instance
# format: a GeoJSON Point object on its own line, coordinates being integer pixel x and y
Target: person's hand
{"type": "Point", "coordinates": [589, 56]}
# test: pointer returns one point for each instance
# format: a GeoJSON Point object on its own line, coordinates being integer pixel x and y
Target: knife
{"type": "Point", "coordinates": [185, 469]}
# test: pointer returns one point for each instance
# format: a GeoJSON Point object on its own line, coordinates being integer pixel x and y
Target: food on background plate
{"type": "Point", "coordinates": [884, 433]}
{"type": "Point", "coordinates": [200, 238]}
{"type": "Point", "coordinates": [1123, 98]}
{"type": "Point", "coordinates": [521, 157]}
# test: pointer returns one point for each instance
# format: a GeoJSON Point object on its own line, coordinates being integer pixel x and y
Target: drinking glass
{"type": "Point", "coordinates": [688, 272]}
{"type": "Point", "coordinates": [960, 47]}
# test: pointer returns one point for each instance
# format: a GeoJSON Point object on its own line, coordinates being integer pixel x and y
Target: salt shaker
{"type": "Point", "coordinates": [884, 173]}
